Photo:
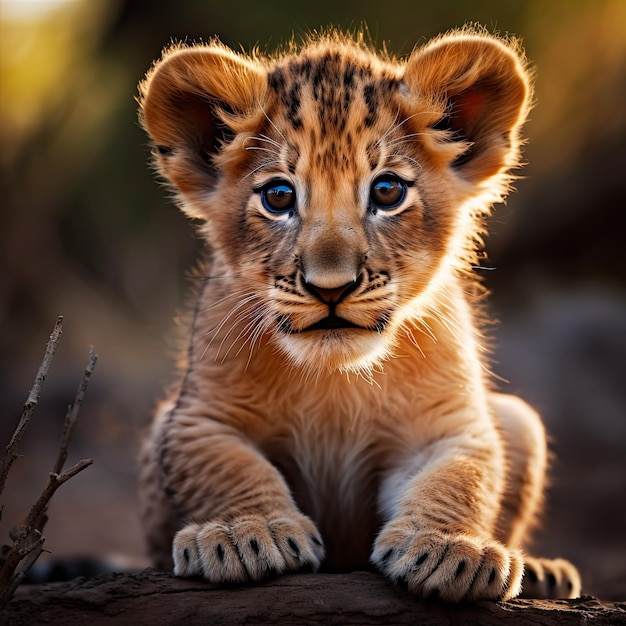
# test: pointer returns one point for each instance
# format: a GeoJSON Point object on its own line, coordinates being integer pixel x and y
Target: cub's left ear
{"type": "Point", "coordinates": [481, 86]}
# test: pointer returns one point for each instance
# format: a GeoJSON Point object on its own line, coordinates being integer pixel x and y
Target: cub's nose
{"type": "Point", "coordinates": [331, 296]}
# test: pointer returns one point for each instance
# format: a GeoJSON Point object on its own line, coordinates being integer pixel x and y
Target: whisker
{"type": "Point", "coordinates": [404, 138]}
{"type": "Point", "coordinates": [396, 125]}
{"type": "Point", "coordinates": [274, 126]}
{"type": "Point", "coordinates": [268, 140]}
{"type": "Point", "coordinates": [262, 138]}
{"type": "Point", "coordinates": [261, 149]}
{"type": "Point", "coordinates": [216, 303]}
{"type": "Point", "coordinates": [244, 332]}
{"type": "Point", "coordinates": [240, 317]}
{"type": "Point", "coordinates": [265, 164]}
{"type": "Point", "coordinates": [411, 160]}
{"type": "Point", "coordinates": [255, 337]}
{"type": "Point", "coordinates": [234, 310]}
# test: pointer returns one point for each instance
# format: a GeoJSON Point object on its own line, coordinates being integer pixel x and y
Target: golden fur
{"type": "Point", "coordinates": [335, 410]}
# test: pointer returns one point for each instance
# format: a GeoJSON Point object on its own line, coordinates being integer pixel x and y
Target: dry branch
{"type": "Point", "coordinates": [72, 412]}
{"type": "Point", "coordinates": [11, 453]}
{"type": "Point", "coordinates": [16, 560]}
{"type": "Point", "coordinates": [27, 537]}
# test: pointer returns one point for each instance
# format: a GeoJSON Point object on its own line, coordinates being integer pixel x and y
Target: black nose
{"type": "Point", "coordinates": [333, 295]}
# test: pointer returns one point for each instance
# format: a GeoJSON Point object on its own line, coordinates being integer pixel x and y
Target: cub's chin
{"type": "Point", "coordinates": [355, 350]}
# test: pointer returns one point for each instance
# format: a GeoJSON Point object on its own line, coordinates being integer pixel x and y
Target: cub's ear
{"type": "Point", "coordinates": [481, 87]}
{"type": "Point", "coordinates": [190, 103]}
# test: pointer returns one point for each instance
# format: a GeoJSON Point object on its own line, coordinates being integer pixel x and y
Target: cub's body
{"type": "Point", "coordinates": [335, 409]}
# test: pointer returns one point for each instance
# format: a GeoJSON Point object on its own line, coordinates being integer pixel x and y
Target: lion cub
{"type": "Point", "coordinates": [335, 410]}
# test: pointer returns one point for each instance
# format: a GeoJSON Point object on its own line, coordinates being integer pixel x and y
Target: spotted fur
{"type": "Point", "coordinates": [335, 410]}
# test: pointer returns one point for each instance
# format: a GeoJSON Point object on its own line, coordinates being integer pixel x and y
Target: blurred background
{"type": "Point", "coordinates": [87, 233]}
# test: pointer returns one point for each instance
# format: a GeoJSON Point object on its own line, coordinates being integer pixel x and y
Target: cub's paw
{"type": "Point", "coordinates": [250, 547]}
{"type": "Point", "coordinates": [550, 578]}
{"type": "Point", "coordinates": [449, 567]}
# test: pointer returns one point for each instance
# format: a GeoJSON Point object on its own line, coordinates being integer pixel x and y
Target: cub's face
{"type": "Point", "coordinates": [336, 224]}
{"type": "Point", "coordinates": [336, 188]}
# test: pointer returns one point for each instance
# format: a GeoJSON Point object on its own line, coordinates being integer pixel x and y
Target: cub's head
{"type": "Point", "coordinates": [340, 190]}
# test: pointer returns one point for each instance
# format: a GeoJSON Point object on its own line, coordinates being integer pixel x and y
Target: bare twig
{"type": "Point", "coordinates": [72, 412]}
{"type": "Point", "coordinates": [16, 560]}
{"type": "Point", "coordinates": [27, 557]}
{"type": "Point", "coordinates": [11, 453]}
{"type": "Point", "coordinates": [26, 536]}
{"type": "Point", "coordinates": [56, 480]}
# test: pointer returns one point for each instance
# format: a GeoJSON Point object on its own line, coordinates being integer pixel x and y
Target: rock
{"type": "Point", "coordinates": [158, 598]}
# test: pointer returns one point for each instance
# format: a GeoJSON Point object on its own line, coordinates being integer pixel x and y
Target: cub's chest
{"type": "Point", "coordinates": [334, 476]}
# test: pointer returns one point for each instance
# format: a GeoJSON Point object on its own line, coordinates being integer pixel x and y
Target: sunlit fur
{"type": "Point", "coordinates": [335, 409]}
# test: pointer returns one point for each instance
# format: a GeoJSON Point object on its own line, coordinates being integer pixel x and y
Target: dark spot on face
{"type": "Point", "coordinates": [390, 84]}
{"type": "Point", "coordinates": [220, 552]}
{"type": "Point", "coordinates": [421, 559]}
{"type": "Point", "coordinates": [370, 96]}
{"type": "Point", "coordinates": [387, 555]}
{"type": "Point", "coordinates": [316, 541]}
{"type": "Point", "coordinates": [276, 80]}
{"type": "Point", "coordinates": [186, 555]}
{"type": "Point", "coordinates": [292, 157]}
{"type": "Point", "coordinates": [373, 154]}
{"type": "Point", "coordinates": [348, 76]}
{"type": "Point", "coordinates": [492, 576]}
{"type": "Point", "coordinates": [300, 68]}
{"type": "Point", "coordinates": [254, 544]}
{"type": "Point", "coordinates": [459, 569]}
{"type": "Point", "coordinates": [283, 324]}
{"type": "Point", "coordinates": [292, 102]}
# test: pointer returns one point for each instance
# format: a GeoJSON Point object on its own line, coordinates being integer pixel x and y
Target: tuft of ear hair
{"type": "Point", "coordinates": [481, 85]}
{"type": "Point", "coordinates": [185, 100]}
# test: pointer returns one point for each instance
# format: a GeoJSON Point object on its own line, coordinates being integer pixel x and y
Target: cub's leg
{"type": "Point", "coordinates": [441, 503]}
{"type": "Point", "coordinates": [526, 456]}
{"type": "Point", "coordinates": [157, 517]}
{"type": "Point", "coordinates": [237, 519]}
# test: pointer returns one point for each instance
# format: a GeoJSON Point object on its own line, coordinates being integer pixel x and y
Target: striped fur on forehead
{"type": "Point", "coordinates": [339, 99]}
{"type": "Point", "coordinates": [337, 77]}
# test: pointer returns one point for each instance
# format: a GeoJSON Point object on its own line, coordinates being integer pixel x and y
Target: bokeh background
{"type": "Point", "coordinates": [87, 233]}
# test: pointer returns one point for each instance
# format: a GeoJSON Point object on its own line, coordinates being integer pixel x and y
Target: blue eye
{"type": "Point", "coordinates": [278, 197]}
{"type": "Point", "coordinates": [387, 192]}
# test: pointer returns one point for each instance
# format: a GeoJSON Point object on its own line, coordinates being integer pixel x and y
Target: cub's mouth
{"type": "Point", "coordinates": [332, 322]}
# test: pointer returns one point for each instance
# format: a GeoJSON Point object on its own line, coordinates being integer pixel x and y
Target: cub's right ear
{"type": "Point", "coordinates": [190, 102]}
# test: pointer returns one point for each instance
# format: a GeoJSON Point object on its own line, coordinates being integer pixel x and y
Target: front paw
{"type": "Point", "coordinates": [450, 567]}
{"type": "Point", "coordinates": [250, 547]}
